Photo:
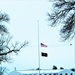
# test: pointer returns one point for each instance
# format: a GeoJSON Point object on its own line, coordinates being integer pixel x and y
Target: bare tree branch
{"type": "Point", "coordinates": [3, 70]}
{"type": "Point", "coordinates": [14, 50]}
{"type": "Point", "coordinates": [6, 48]}
{"type": "Point", "coordinates": [64, 13]}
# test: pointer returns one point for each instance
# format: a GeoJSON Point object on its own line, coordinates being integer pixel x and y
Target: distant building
{"type": "Point", "coordinates": [43, 72]}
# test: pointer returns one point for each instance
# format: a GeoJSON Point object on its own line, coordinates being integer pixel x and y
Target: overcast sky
{"type": "Point", "coordinates": [24, 15]}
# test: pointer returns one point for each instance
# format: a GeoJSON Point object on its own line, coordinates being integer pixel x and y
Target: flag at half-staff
{"type": "Point", "coordinates": [44, 54]}
{"type": "Point", "coordinates": [43, 45]}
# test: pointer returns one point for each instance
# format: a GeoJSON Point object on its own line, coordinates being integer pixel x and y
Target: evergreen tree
{"type": "Point", "coordinates": [54, 67]}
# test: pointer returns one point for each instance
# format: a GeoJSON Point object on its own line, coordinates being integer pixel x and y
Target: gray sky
{"type": "Point", "coordinates": [23, 26]}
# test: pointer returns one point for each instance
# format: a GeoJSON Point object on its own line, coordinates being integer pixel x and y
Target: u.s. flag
{"type": "Point", "coordinates": [43, 45]}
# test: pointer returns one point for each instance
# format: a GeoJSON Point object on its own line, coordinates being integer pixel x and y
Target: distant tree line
{"type": "Point", "coordinates": [55, 68]}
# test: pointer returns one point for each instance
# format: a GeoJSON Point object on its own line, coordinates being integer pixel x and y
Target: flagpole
{"type": "Point", "coordinates": [74, 52]}
{"type": "Point", "coordinates": [38, 47]}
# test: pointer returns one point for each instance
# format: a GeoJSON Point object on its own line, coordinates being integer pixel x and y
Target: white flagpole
{"type": "Point", "coordinates": [74, 52]}
{"type": "Point", "coordinates": [38, 48]}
